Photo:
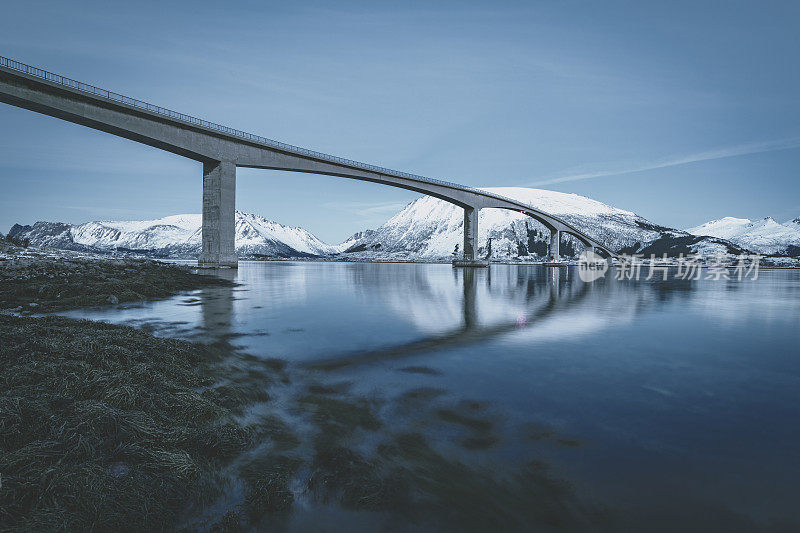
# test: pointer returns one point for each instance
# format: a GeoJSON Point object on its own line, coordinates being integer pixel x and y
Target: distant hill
{"type": "Point", "coordinates": [765, 236]}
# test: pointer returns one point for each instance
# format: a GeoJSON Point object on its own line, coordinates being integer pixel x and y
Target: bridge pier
{"type": "Point", "coordinates": [470, 241]}
{"type": "Point", "coordinates": [555, 243]}
{"type": "Point", "coordinates": [470, 233]}
{"type": "Point", "coordinates": [219, 215]}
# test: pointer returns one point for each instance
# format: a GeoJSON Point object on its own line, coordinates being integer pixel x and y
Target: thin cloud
{"type": "Point", "coordinates": [720, 153]}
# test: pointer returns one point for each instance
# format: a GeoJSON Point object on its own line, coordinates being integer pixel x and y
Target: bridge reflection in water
{"type": "Point", "coordinates": [541, 301]}
{"type": "Point", "coordinates": [333, 315]}
{"type": "Point", "coordinates": [383, 312]}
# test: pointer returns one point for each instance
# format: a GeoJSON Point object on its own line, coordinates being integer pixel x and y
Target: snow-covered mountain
{"type": "Point", "coordinates": [427, 228]}
{"type": "Point", "coordinates": [177, 236]}
{"type": "Point", "coordinates": [431, 228]}
{"type": "Point", "coordinates": [765, 236]}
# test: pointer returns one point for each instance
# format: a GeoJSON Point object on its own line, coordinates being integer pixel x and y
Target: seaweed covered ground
{"type": "Point", "coordinates": [104, 427]}
{"type": "Point", "coordinates": [108, 428]}
{"type": "Point", "coordinates": [33, 281]}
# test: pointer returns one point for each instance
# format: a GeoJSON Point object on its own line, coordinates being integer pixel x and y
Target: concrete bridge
{"type": "Point", "coordinates": [221, 149]}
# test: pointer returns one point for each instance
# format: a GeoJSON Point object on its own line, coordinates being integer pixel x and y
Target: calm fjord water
{"type": "Point", "coordinates": [669, 403]}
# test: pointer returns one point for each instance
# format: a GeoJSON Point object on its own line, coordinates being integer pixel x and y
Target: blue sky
{"type": "Point", "coordinates": [679, 111]}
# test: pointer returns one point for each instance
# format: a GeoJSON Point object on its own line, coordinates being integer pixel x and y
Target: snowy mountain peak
{"type": "Point", "coordinates": [252, 231]}
{"type": "Point", "coordinates": [732, 220]}
{"type": "Point", "coordinates": [557, 203]}
{"type": "Point", "coordinates": [185, 221]}
{"type": "Point", "coordinates": [764, 236]}
{"type": "Point", "coordinates": [723, 227]}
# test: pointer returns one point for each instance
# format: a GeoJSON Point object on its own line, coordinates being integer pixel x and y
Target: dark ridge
{"type": "Point", "coordinates": [674, 246]}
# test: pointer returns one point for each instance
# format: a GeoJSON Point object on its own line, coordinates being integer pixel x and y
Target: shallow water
{"type": "Point", "coordinates": [669, 404]}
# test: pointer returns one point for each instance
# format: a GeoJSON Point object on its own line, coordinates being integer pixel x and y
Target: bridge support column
{"type": "Point", "coordinates": [555, 243]}
{"type": "Point", "coordinates": [219, 213]}
{"type": "Point", "coordinates": [470, 241]}
{"type": "Point", "coordinates": [470, 233]}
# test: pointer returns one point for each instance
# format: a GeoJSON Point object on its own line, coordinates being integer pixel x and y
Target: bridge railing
{"type": "Point", "coordinates": [111, 95]}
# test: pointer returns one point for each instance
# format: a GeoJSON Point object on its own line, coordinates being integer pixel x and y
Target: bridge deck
{"type": "Point", "coordinates": [218, 128]}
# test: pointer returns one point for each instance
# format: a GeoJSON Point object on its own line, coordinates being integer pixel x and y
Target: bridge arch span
{"type": "Point", "coordinates": [440, 192]}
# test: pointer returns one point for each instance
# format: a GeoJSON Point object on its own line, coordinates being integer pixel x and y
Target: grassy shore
{"type": "Point", "coordinates": [105, 427]}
